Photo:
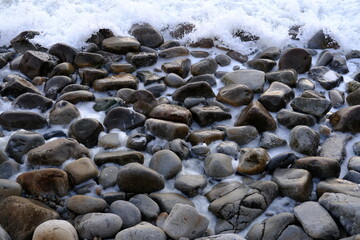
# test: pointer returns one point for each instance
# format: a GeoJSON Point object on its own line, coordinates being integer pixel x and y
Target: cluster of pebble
{"type": "Point", "coordinates": [54, 197]}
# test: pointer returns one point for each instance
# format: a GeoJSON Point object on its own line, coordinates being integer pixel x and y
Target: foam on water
{"type": "Point", "coordinates": [73, 21]}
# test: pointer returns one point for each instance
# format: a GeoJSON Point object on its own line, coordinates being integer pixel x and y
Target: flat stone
{"type": "Point", "coordinates": [19, 216]}
{"type": "Point", "coordinates": [87, 59]}
{"type": "Point", "coordinates": [81, 170]}
{"type": "Point", "coordinates": [294, 183]}
{"type": "Point", "coordinates": [166, 129]}
{"type": "Point", "coordinates": [142, 59]}
{"type": "Point", "coordinates": [136, 178]}
{"type": "Point", "coordinates": [115, 82]}
{"type": "Point", "coordinates": [335, 146]}
{"type": "Point", "coordinates": [120, 45]}
{"type": "Point", "coordinates": [337, 185]}
{"type": "Point", "coordinates": [241, 135]}
{"type": "Point", "coordinates": [123, 119]}
{"type": "Point", "coordinates": [189, 217]}
{"type": "Point", "coordinates": [316, 221]}
{"type": "Point", "coordinates": [172, 112]}
{"type": "Point", "coordinates": [190, 185]}
{"type": "Point", "coordinates": [121, 157]}
{"type": "Point", "coordinates": [208, 115]}
{"type": "Point", "coordinates": [205, 136]}
{"type": "Point", "coordinates": [167, 201]}
{"type": "Point", "coordinates": [22, 120]}
{"type": "Point", "coordinates": [319, 167]}
{"type": "Point", "coordinates": [82, 204]}
{"type": "Point", "coordinates": [56, 152]}
{"type": "Point", "coordinates": [314, 106]}
{"type": "Point", "coordinates": [218, 165]}
{"type": "Point", "coordinates": [253, 79]}
{"type": "Point", "coordinates": [103, 225]}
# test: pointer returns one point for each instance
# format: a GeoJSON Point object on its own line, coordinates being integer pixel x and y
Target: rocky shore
{"type": "Point", "coordinates": [132, 137]}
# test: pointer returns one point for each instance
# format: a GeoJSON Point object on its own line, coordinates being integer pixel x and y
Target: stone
{"type": "Point", "coordinates": [121, 157]}
{"type": "Point", "coordinates": [352, 86]}
{"type": "Point", "coordinates": [256, 115]}
{"type": "Point", "coordinates": [149, 208]}
{"type": "Point", "coordinates": [19, 216]}
{"type": "Point", "coordinates": [9, 188]}
{"type": "Point", "coordinates": [304, 140]}
{"type": "Point", "coordinates": [166, 162]}
{"type": "Point", "coordinates": [241, 135]}
{"type": "Point", "coordinates": [128, 212]}
{"type": "Point", "coordinates": [337, 185]}
{"type": "Point", "coordinates": [179, 147]}
{"type": "Point", "coordinates": [305, 84]}
{"type": "Point", "coordinates": [64, 52]}
{"type": "Point", "coordinates": [218, 165]}
{"type": "Point", "coordinates": [281, 160]}
{"type": "Point", "coordinates": [294, 232]}
{"type": "Point", "coordinates": [181, 30]}
{"type": "Point", "coordinates": [86, 131]}
{"type": "Point", "coordinates": [22, 119]}
{"type": "Point", "coordinates": [276, 96]}
{"type": "Point", "coordinates": [8, 169]}
{"type": "Point", "coordinates": [316, 221]}
{"type": "Point", "coordinates": [136, 178]}
{"type": "Point", "coordinates": [196, 89]}
{"type": "Point", "coordinates": [174, 80]}
{"type": "Point", "coordinates": [22, 142]}
{"type": "Point", "coordinates": [115, 82]}
{"type": "Point", "coordinates": [252, 160]}
{"type": "Point", "coordinates": [327, 78]}
{"type": "Point", "coordinates": [293, 183]}
{"type": "Point", "coordinates": [143, 230]}
{"type": "Point", "coordinates": [177, 51]}
{"type": "Point", "coordinates": [193, 224]}
{"type": "Point", "coordinates": [229, 148]}
{"type": "Point", "coordinates": [142, 59]}
{"type": "Point", "coordinates": [121, 68]}
{"type": "Point", "coordinates": [166, 129]}
{"type": "Point", "coordinates": [75, 97]}
{"type": "Point", "coordinates": [33, 101]}
{"type": "Point", "coordinates": [253, 79]}
{"type": "Point", "coordinates": [338, 64]}
{"type": "Point", "coordinates": [55, 230]}
{"type": "Point", "coordinates": [320, 40]}
{"type": "Point", "coordinates": [167, 201]}
{"type": "Point", "coordinates": [291, 119]}
{"type": "Point", "coordinates": [235, 95]}
{"type": "Point", "coordinates": [16, 86]}
{"type": "Point", "coordinates": [146, 34]}
{"type": "Point", "coordinates": [63, 113]}
{"type": "Point", "coordinates": [180, 67]}
{"type": "Point", "coordinates": [337, 98]}
{"type": "Point", "coordinates": [325, 57]}
{"type": "Point", "coordinates": [296, 58]}
{"type": "Point", "coordinates": [108, 176]}
{"type": "Point", "coordinates": [138, 141]}
{"type": "Point", "coordinates": [209, 78]}
{"type": "Point", "coordinates": [319, 167]}
{"type": "Point", "coordinates": [346, 119]}
{"type": "Point", "coordinates": [169, 44]}
{"type": "Point", "coordinates": [265, 65]}
{"type": "Point", "coordinates": [223, 60]}
{"type": "Point", "coordinates": [317, 107]}
{"type": "Point", "coordinates": [36, 63]}
{"type": "Point", "coordinates": [89, 75]}
{"type": "Point", "coordinates": [172, 112]}
{"type": "Point", "coordinates": [157, 90]}
{"type": "Point", "coordinates": [199, 54]}
{"type": "Point", "coordinates": [110, 140]}
{"type": "Point", "coordinates": [46, 182]}
{"type": "Point", "coordinates": [21, 42]}
{"type": "Point", "coordinates": [231, 201]}
{"type": "Point", "coordinates": [344, 209]}
{"type": "Point", "coordinates": [123, 119]}
{"type": "Point", "coordinates": [102, 225]}
{"type": "Point", "coordinates": [54, 86]}
{"type": "Point", "coordinates": [206, 136]}
{"type": "Point", "coordinates": [205, 66]}
{"type": "Point", "coordinates": [272, 53]}
{"type": "Point", "coordinates": [352, 176]}
{"type": "Point", "coordinates": [270, 140]}
{"type": "Point", "coordinates": [143, 101]}
{"type": "Point", "coordinates": [223, 236]}
{"type": "Point", "coordinates": [206, 116]}
{"type": "Point", "coordinates": [354, 163]}
{"type": "Point", "coordinates": [56, 152]}
{"type": "Point", "coordinates": [271, 228]}
{"type": "Point", "coordinates": [353, 98]}
{"type": "Point", "coordinates": [81, 170]}
{"type": "Point", "coordinates": [120, 45]}
{"type": "Point", "coordinates": [335, 146]}
{"type": "Point", "coordinates": [190, 185]}
{"type": "Point", "coordinates": [87, 59]}
{"type": "Point", "coordinates": [82, 204]}
{"type": "Point", "coordinates": [237, 56]}
{"type": "Point", "coordinates": [148, 77]}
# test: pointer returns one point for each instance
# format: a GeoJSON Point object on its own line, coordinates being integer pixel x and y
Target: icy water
{"type": "Point", "coordinates": [73, 22]}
